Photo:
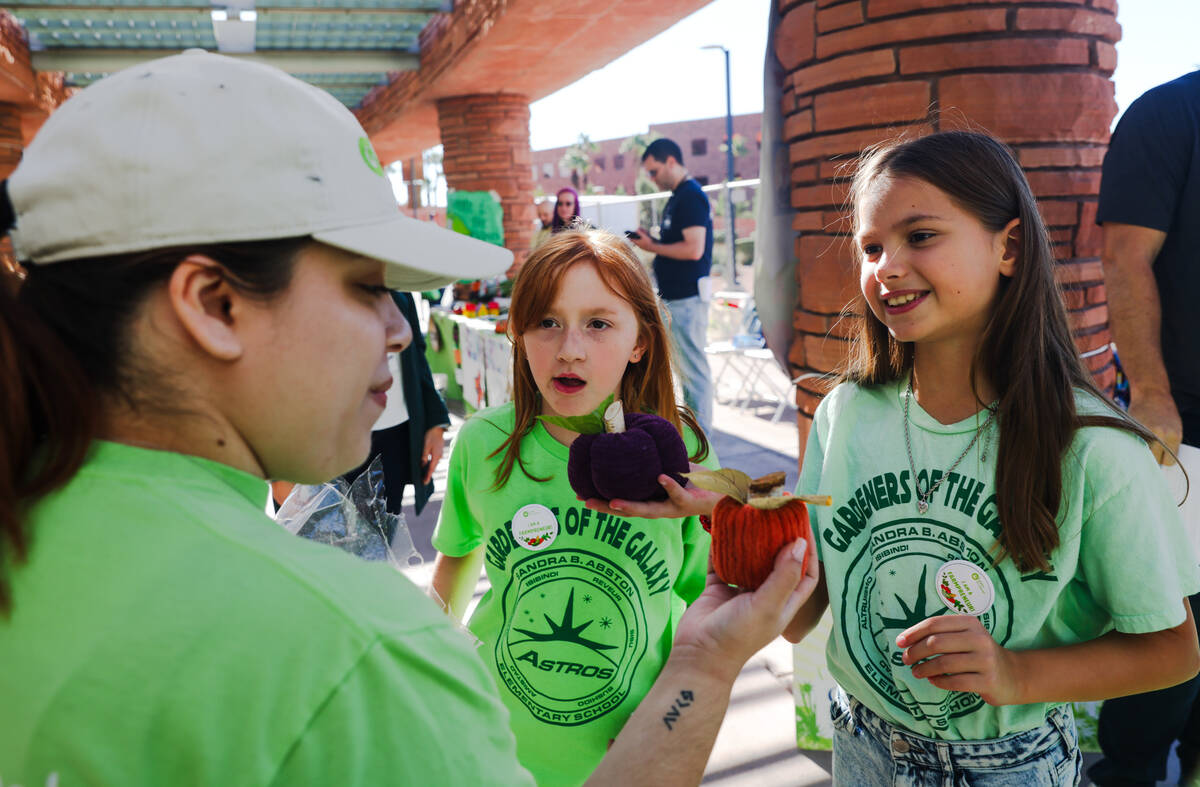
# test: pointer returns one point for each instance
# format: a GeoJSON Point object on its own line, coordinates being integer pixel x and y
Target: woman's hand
{"type": "Point", "coordinates": [668, 738]}
{"type": "Point", "coordinates": [956, 653]}
{"type": "Point", "coordinates": [724, 627]}
{"type": "Point", "coordinates": [431, 451]}
{"type": "Point", "coordinates": [681, 501]}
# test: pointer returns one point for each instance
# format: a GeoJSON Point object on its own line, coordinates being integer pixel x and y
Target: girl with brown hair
{"type": "Point", "coordinates": [1001, 542]}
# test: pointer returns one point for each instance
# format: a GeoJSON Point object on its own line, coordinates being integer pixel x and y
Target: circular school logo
{"type": "Point", "coordinates": [574, 632]}
{"type": "Point", "coordinates": [892, 585]}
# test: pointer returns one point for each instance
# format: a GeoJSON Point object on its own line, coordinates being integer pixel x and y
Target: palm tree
{"type": "Point", "coordinates": [638, 143]}
{"type": "Point", "coordinates": [740, 148]}
{"type": "Point", "coordinates": [578, 159]}
{"type": "Point", "coordinates": [434, 176]}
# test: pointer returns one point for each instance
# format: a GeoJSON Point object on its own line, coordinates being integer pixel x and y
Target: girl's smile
{"type": "Point", "coordinates": [902, 301]}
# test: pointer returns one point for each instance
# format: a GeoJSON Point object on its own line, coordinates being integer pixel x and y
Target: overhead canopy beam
{"type": "Point", "coordinates": [349, 6]}
{"type": "Point", "coordinates": [312, 62]}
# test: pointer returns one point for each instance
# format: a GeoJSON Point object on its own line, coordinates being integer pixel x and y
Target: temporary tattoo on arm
{"type": "Point", "coordinates": [685, 699]}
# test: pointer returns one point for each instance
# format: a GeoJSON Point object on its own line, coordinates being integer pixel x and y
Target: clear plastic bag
{"type": "Point", "coordinates": [351, 517]}
{"type": "Point", "coordinates": [354, 518]}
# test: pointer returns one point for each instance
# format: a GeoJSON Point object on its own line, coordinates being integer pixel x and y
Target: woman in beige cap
{"type": "Point", "coordinates": [208, 247]}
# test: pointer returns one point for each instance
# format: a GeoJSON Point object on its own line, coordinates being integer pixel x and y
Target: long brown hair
{"type": "Point", "coordinates": [1027, 351]}
{"type": "Point", "coordinates": [65, 347]}
{"type": "Point", "coordinates": [646, 385]}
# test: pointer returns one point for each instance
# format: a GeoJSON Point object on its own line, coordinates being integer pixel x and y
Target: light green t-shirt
{"type": "Point", "coordinates": [165, 631]}
{"type": "Point", "coordinates": [580, 617]}
{"type": "Point", "coordinates": [1123, 562]}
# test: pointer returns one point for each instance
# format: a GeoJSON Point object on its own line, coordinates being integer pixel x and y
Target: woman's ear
{"type": "Point", "coordinates": [1010, 255]}
{"type": "Point", "coordinates": [207, 306]}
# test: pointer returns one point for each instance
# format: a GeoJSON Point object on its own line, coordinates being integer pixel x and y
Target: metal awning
{"type": "Point", "coordinates": [346, 47]}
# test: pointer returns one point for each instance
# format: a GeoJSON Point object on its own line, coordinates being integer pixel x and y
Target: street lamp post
{"type": "Point", "coordinates": [731, 230]}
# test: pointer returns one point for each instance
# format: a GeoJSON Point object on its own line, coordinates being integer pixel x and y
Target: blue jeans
{"type": "Point", "coordinates": [870, 752]}
{"type": "Point", "coordinates": [689, 334]}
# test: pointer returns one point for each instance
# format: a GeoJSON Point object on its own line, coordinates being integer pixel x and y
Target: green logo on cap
{"type": "Point", "coordinates": [369, 156]}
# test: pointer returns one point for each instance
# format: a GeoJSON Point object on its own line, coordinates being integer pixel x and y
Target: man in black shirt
{"type": "Point", "coordinates": [683, 258]}
{"type": "Point", "coordinates": [1150, 211]}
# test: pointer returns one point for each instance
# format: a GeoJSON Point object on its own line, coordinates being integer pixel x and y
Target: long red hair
{"type": "Point", "coordinates": [646, 387]}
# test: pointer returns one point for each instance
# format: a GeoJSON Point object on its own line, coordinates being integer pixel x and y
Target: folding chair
{"type": "Point", "coordinates": [746, 352]}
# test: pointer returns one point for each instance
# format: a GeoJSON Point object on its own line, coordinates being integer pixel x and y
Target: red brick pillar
{"type": "Point", "coordinates": [17, 90]}
{"type": "Point", "coordinates": [485, 141]}
{"type": "Point", "coordinates": [1036, 75]}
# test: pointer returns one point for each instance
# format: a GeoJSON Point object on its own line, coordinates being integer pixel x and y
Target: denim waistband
{"type": "Point", "coordinates": [1057, 730]}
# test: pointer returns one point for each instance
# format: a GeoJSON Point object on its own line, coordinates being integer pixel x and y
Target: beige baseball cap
{"type": "Point", "coordinates": [203, 148]}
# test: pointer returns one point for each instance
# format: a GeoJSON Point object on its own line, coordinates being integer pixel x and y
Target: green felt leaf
{"type": "Point", "coordinates": [592, 423]}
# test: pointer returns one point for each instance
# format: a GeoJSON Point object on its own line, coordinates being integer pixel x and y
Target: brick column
{"type": "Point", "coordinates": [17, 89]}
{"type": "Point", "coordinates": [1037, 75]}
{"type": "Point", "coordinates": [485, 141]}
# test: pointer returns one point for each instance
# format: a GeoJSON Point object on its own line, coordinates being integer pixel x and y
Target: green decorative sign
{"type": "Point", "coordinates": [476, 213]}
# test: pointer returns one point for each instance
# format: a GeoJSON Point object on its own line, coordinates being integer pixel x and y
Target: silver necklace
{"type": "Point", "coordinates": [924, 497]}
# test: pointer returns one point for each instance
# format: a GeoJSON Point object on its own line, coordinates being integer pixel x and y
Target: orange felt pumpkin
{"type": "Point", "coordinates": [746, 539]}
{"type": "Point", "coordinates": [750, 527]}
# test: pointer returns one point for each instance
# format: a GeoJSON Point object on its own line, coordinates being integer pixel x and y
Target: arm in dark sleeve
{"type": "Point", "coordinates": [692, 209]}
{"type": "Point", "coordinates": [434, 408]}
{"type": "Point", "coordinates": [1147, 162]}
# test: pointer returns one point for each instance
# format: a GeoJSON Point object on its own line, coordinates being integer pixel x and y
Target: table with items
{"type": "Point", "coordinates": [466, 341]}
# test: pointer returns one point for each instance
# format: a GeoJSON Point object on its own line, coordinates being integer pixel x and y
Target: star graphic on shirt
{"type": "Point", "coordinates": [587, 599]}
{"type": "Point", "coordinates": [605, 623]}
{"type": "Point", "coordinates": [565, 630]}
{"type": "Point", "coordinates": [911, 616]}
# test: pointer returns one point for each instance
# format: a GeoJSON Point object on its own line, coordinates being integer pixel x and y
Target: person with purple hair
{"type": "Point", "coordinates": [566, 209]}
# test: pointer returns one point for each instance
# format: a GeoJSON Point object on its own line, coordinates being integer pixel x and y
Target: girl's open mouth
{"type": "Point", "coordinates": [568, 384]}
{"type": "Point", "coordinates": [898, 304]}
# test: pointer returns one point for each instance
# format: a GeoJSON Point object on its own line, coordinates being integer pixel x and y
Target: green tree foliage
{"type": "Point", "coordinates": [740, 148]}
{"type": "Point", "coordinates": [578, 159]}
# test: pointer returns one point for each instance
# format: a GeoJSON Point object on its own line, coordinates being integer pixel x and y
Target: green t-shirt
{"type": "Point", "coordinates": [1123, 562]}
{"type": "Point", "coordinates": [580, 617]}
{"type": "Point", "coordinates": [165, 631]}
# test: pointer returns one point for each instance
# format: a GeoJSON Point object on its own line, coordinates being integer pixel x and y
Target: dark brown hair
{"type": "Point", "coordinates": [1026, 352]}
{"type": "Point", "coordinates": [65, 345]}
{"type": "Point", "coordinates": [646, 386]}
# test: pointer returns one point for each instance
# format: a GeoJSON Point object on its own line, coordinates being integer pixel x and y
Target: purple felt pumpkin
{"type": "Point", "coordinates": [626, 465]}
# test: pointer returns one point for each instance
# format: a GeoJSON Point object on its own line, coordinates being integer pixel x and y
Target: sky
{"type": "Point", "coordinates": [1158, 44]}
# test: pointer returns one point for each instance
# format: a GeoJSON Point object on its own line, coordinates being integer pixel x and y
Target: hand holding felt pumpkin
{"type": "Point", "coordinates": [750, 525]}
{"type": "Point", "coordinates": [619, 456]}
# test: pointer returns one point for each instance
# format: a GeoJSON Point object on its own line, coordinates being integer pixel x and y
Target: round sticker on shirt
{"type": "Point", "coordinates": [534, 527]}
{"type": "Point", "coordinates": [965, 588]}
